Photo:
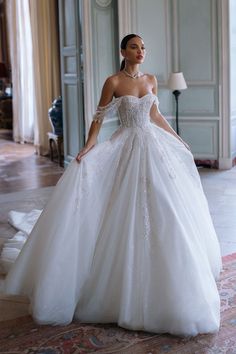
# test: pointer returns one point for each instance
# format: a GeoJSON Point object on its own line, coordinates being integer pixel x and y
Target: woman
{"type": "Point", "coordinates": [127, 236]}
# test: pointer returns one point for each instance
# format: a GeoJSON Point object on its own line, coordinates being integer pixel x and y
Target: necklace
{"type": "Point", "coordinates": [134, 76]}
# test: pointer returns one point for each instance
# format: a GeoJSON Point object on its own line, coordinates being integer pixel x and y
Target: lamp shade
{"type": "Point", "coordinates": [177, 82]}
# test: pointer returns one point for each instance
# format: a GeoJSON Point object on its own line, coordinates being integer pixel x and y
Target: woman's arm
{"type": "Point", "coordinates": [160, 120]}
{"type": "Point", "coordinates": [106, 97]}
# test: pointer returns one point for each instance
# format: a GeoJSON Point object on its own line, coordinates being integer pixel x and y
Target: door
{"type": "Point", "coordinates": [71, 77]}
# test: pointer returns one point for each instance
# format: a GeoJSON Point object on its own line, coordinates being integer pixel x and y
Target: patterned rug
{"type": "Point", "coordinates": [23, 336]}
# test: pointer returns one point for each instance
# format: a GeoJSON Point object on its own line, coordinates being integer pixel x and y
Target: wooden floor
{"type": "Point", "coordinates": [21, 168]}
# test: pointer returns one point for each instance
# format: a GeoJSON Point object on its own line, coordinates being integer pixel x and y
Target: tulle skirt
{"type": "Point", "coordinates": [126, 237]}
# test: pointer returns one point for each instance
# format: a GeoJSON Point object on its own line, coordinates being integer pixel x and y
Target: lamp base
{"type": "Point", "coordinates": [176, 93]}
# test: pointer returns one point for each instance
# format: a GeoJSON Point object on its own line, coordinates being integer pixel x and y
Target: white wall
{"type": "Point", "coordinates": [181, 35]}
{"type": "Point", "coordinates": [232, 13]}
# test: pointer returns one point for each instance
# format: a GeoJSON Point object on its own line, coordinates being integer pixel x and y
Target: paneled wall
{"type": "Point", "coordinates": [181, 35]}
{"type": "Point", "coordinates": [71, 77]}
{"type": "Point", "coordinates": [191, 36]}
{"type": "Point", "coordinates": [233, 75]}
{"type": "Point", "coordinates": [105, 52]}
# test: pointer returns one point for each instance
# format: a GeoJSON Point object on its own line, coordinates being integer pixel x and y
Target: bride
{"type": "Point", "coordinates": [127, 235]}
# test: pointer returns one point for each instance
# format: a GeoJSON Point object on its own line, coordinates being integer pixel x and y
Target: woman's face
{"type": "Point", "coordinates": [135, 51]}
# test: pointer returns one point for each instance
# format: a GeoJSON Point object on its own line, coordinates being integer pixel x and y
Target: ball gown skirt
{"type": "Point", "coordinates": [126, 236]}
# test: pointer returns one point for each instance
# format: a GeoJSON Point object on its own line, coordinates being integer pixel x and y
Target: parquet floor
{"type": "Point", "coordinates": [21, 168]}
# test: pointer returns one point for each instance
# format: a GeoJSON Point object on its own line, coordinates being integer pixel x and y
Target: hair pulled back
{"type": "Point", "coordinates": [123, 45]}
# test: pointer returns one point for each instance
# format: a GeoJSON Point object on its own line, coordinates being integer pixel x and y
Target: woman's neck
{"type": "Point", "coordinates": [131, 69]}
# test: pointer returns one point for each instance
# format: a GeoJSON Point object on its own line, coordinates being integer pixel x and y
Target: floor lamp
{"type": "Point", "coordinates": [176, 83]}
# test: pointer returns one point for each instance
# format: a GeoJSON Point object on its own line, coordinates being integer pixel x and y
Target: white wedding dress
{"type": "Point", "coordinates": [126, 236]}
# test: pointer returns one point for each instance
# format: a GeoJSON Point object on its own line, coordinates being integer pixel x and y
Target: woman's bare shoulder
{"type": "Point", "coordinates": [151, 77]}
{"type": "Point", "coordinates": [109, 88]}
{"type": "Point", "coordinates": [112, 82]}
{"type": "Point", "coordinates": [152, 81]}
{"type": "Point", "coordinates": [113, 79]}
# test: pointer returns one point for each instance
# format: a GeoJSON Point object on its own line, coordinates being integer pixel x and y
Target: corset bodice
{"type": "Point", "coordinates": [134, 111]}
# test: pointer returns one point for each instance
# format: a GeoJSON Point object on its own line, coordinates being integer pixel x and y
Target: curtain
{"type": "Point", "coordinates": [34, 50]}
{"type": "Point", "coordinates": [20, 41]}
{"type": "Point", "coordinates": [44, 27]}
{"type": "Point", "coordinates": [4, 55]}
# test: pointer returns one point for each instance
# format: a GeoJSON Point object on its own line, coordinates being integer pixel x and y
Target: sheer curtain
{"type": "Point", "coordinates": [34, 50]}
{"type": "Point", "coordinates": [20, 41]}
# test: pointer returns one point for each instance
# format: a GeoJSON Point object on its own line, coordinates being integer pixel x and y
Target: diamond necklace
{"type": "Point", "coordinates": [134, 76]}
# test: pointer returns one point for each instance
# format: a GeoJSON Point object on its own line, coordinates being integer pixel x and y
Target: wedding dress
{"type": "Point", "coordinates": [126, 236]}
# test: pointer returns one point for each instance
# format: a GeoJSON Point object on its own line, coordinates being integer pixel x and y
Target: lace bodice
{"type": "Point", "coordinates": [132, 111]}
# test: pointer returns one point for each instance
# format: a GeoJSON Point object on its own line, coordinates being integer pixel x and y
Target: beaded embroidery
{"type": "Point", "coordinates": [135, 134]}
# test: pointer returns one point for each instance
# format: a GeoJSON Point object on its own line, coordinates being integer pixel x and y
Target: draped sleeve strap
{"type": "Point", "coordinates": [108, 111]}
{"type": "Point", "coordinates": [156, 102]}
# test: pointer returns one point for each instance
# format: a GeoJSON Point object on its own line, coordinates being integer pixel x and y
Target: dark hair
{"type": "Point", "coordinates": [123, 45]}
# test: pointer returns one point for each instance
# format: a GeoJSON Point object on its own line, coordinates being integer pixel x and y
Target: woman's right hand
{"type": "Point", "coordinates": [83, 152]}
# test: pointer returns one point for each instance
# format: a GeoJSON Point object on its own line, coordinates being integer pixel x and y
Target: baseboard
{"type": "Point", "coordinates": [225, 163]}
{"type": "Point", "coordinates": [221, 163]}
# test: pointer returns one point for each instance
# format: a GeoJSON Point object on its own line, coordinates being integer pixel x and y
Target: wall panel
{"type": "Point", "coordinates": [105, 50]}
{"type": "Point", "coordinates": [181, 35]}
{"type": "Point", "coordinates": [71, 77]}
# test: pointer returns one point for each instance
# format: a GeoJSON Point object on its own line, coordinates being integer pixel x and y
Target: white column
{"type": "Point", "coordinates": [225, 159]}
{"type": "Point", "coordinates": [88, 64]}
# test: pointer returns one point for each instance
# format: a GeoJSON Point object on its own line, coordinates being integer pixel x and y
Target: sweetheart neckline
{"type": "Point", "coordinates": [139, 98]}
{"type": "Point", "coordinates": [120, 97]}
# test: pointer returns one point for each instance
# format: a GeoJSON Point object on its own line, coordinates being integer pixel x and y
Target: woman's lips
{"type": "Point", "coordinates": [139, 57]}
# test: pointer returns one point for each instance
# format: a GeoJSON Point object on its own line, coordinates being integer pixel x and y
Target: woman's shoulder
{"type": "Point", "coordinates": [150, 77]}
{"type": "Point", "coordinates": [114, 77]}
{"type": "Point", "coordinates": [112, 80]}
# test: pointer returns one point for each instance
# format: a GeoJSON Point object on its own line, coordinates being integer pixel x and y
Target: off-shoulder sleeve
{"type": "Point", "coordinates": [156, 102]}
{"type": "Point", "coordinates": [109, 110]}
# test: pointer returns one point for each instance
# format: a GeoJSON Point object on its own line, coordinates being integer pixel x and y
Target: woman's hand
{"type": "Point", "coordinates": [83, 152]}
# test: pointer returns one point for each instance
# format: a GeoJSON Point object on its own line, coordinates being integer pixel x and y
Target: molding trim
{"type": "Point", "coordinates": [103, 3]}
{"type": "Point", "coordinates": [125, 17]}
{"type": "Point", "coordinates": [224, 88]}
{"type": "Point", "coordinates": [89, 103]}
{"type": "Point", "coordinates": [194, 119]}
{"type": "Point", "coordinates": [168, 43]}
{"type": "Point", "coordinates": [128, 23]}
{"type": "Point", "coordinates": [176, 36]}
{"type": "Point", "coordinates": [210, 126]}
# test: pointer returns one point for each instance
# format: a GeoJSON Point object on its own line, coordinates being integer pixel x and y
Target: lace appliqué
{"type": "Point", "coordinates": [164, 157]}
{"type": "Point", "coordinates": [99, 115]}
{"type": "Point", "coordinates": [188, 164]}
{"type": "Point", "coordinates": [145, 210]}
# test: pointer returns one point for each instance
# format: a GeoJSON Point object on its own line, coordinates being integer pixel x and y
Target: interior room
{"type": "Point", "coordinates": [54, 59]}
